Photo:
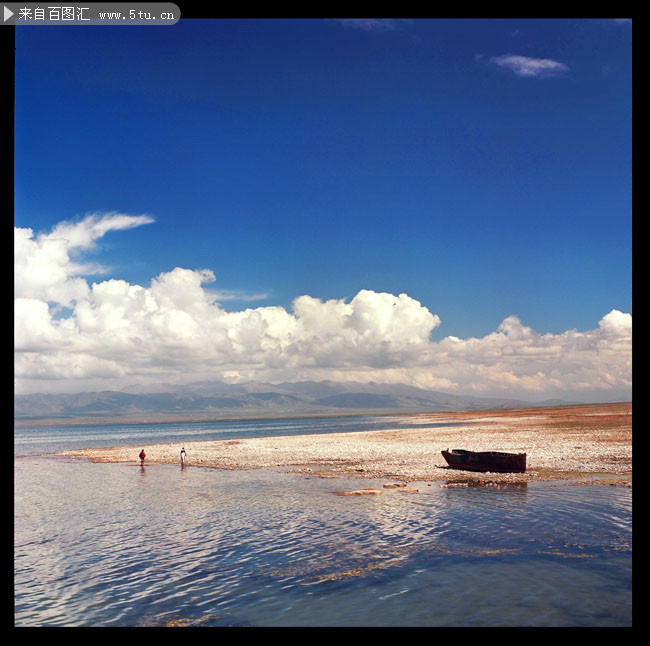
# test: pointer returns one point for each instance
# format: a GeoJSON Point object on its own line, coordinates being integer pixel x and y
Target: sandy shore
{"type": "Point", "coordinates": [571, 443]}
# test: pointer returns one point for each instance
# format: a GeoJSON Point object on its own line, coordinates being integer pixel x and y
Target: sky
{"type": "Point", "coordinates": [443, 203]}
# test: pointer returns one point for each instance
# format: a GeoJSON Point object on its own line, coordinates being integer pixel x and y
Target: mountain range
{"type": "Point", "coordinates": [215, 399]}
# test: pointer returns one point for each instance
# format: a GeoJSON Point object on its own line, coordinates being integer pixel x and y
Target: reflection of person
{"type": "Point", "coordinates": [183, 454]}
{"type": "Point", "coordinates": [142, 456]}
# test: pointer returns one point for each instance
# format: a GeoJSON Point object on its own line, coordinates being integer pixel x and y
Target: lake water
{"type": "Point", "coordinates": [121, 545]}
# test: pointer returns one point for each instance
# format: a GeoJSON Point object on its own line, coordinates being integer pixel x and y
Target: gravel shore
{"type": "Point", "coordinates": [572, 443]}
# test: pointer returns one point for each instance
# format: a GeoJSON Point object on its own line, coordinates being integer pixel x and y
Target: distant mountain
{"type": "Point", "coordinates": [218, 399]}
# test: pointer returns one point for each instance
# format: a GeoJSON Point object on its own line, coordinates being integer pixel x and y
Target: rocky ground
{"type": "Point", "coordinates": [580, 444]}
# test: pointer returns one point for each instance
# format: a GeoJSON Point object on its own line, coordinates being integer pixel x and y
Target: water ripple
{"type": "Point", "coordinates": [206, 547]}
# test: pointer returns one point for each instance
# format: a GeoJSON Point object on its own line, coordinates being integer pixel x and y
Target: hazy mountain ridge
{"type": "Point", "coordinates": [258, 398]}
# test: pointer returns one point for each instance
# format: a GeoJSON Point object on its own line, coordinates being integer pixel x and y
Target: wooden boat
{"type": "Point", "coordinates": [485, 461]}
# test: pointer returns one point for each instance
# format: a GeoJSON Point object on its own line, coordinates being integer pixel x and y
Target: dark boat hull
{"type": "Point", "coordinates": [486, 461]}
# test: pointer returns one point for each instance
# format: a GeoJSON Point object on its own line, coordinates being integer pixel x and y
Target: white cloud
{"type": "Point", "coordinates": [83, 234]}
{"type": "Point", "coordinates": [369, 24]}
{"type": "Point", "coordinates": [530, 67]}
{"type": "Point", "coordinates": [44, 267]}
{"type": "Point", "coordinates": [174, 329]}
{"type": "Point", "coordinates": [517, 357]}
{"type": "Point", "coordinates": [223, 295]}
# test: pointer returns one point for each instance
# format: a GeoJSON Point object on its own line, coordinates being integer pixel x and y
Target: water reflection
{"type": "Point", "coordinates": [97, 546]}
{"type": "Point", "coordinates": [472, 482]}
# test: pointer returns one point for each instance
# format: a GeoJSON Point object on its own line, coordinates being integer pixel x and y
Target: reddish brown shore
{"type": "Point", "coordinates": [580, 444]}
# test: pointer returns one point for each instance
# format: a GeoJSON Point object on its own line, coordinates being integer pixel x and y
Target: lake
{"type": "Point", "coordinates": [120, 545]}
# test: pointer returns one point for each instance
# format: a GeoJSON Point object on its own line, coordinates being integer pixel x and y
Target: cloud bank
{"type": "Point", "coordinates": [72, 336]}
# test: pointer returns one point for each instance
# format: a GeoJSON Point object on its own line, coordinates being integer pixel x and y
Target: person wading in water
{"type": "Point", "coordinates": [142, 456]}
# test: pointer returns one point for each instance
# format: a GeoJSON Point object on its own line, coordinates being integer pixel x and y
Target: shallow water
{"type": "Point", "coordinates": [30, 440]}
{"type": "Point", "coordinates": [120, 545]}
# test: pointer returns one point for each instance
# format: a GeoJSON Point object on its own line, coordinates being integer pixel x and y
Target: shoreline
{"type": "Point", "coordinates": [568, 443]}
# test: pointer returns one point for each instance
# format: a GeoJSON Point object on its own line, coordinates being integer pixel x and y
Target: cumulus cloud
{"type": "Point", "coordinates": [174, 329]}
{"type": "Point", "coordinates": [530, 67]}
{"type": "Point", "coordinates": [516, 356]}
{"type": "Point", "coordinates": [44, 264]}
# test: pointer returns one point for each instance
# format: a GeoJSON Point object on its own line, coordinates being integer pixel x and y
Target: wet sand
{"type": "Point", "coordinates": [580, 444]}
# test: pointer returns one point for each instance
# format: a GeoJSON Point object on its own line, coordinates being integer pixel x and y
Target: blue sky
{"type": "Point", "coordinates": [481, 167]}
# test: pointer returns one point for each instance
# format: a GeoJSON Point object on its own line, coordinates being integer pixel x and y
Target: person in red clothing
{"type": "Point", "coordinates": [143, 455]}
